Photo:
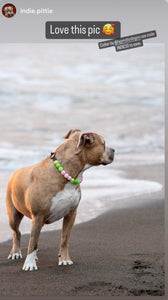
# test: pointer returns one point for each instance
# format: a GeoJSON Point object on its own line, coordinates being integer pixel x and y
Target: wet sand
{"type": "Point", "coordinates": [119, 253]}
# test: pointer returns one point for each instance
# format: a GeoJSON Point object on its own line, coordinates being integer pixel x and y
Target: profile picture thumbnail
{"type": "Point", "coordinates": [9, 10]}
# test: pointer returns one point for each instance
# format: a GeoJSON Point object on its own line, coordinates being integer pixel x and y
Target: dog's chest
{"type": "Point", "coordinates": [64, 202]}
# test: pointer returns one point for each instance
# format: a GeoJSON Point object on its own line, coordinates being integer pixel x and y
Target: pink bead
{"type": "Point", "coordinates": [69, 177]}
{"type": "Point", "coordinates": [66, 175]}
{"type": "Point", "coordinates": [81, 179]}
{"type": "Point", "coordinates": [63, 172]}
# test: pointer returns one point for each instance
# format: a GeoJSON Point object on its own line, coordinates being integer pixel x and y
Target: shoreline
{"type": "Point", "coordinates": [144, 202]}
{"type": "Point", "coordinates": [103, 204]}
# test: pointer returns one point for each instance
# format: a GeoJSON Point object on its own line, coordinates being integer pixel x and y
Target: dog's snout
{"type": "Point", "coordinates": [111, 153]}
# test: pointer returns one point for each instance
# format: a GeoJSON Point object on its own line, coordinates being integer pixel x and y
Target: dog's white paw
{"type": "Point", "coordinates": [65, 262]}
{"type": "Point", "coordinates": [15, 255]}
{"type": "Point", "coordinates": [30, 262]}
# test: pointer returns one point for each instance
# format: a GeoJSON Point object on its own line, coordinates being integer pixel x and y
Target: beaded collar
{"type": "Point", "coordinates": [61, 170]}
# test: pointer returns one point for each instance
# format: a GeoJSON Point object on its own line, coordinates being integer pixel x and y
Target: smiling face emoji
{"type": "Point", "coordinates": [108, 29]}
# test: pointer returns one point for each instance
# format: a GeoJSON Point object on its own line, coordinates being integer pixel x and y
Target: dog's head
{"type": "Point", "coordinates": [89, 146]}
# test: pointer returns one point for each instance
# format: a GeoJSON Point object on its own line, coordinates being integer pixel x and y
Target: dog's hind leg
{"type": "Point", "coordinates": [15, 218]}
{"type": "Point", "coordinates": [64, 258]}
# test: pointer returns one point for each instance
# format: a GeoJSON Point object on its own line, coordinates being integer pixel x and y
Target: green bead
{"type": "Point", "coordinates": [60, 169]}
{"type": "Point", "coordinates": [58, 166]}
{"type": "Point", "coordinates": [76, 181]}
{"type": "Point", "coordinates": [56, 162]}
{"type": "Point", "coordinates": [72, 180]}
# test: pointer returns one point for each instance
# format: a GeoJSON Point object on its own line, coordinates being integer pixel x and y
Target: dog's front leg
{"type": "Point", "coordinates": [68, 222]}
{"type": "Point", "coordinates": [30, 262]}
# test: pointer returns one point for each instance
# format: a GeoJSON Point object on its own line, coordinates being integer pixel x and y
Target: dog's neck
{"type": "Point", "coordinates": [70, 169]}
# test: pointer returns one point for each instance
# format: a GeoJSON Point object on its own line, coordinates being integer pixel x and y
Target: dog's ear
{"type": "Point", "coordinates": [70, 133]}
{"type": "Point", "coordinates": [85, 139]}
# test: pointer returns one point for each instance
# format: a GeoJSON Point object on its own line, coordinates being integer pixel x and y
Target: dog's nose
{"type": "Point", "coordinates": [113, 150]}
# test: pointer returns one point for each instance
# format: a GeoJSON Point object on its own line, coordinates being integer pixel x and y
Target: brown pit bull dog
{"type": "Point", "coordinates": [50, 190]}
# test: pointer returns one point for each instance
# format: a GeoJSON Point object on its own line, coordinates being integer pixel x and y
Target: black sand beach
{"type": "Point", "coordinates": [119, 253]}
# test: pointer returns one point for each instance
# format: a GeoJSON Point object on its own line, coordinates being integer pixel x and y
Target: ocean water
{"type": "Point", "coordinates": [45, 90]}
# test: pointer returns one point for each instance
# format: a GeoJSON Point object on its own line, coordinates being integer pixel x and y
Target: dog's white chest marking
{"type": "Point", "coordinates": [64, 202]}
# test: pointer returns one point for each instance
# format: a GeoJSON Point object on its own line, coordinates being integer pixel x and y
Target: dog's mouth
{"type": "Point", "coordinates": [105, 163]}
